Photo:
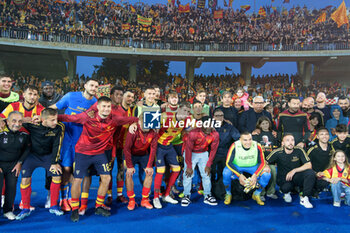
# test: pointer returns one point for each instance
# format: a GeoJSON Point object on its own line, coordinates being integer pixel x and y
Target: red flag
{"type": "Point", "coordinates": [218, 14]}
{"type": "Point", "coordinates": [184, 8]}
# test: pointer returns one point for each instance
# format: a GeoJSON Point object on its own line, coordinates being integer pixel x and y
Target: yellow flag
{"type": "Point", "coordinates": [147, 71]}
{"type": "Point", "coordinates": [339, 16]}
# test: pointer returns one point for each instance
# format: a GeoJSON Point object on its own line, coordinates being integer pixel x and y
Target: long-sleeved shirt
{"type": "Point", "coordinates": [295, 123]}
{"type": "Point", "coordinates": [197, 141]}
{"type": "Point", "coordinates": [14, 146]}
{"type": "Point", "coordinates": [228, 134]}
{"type": "Point", "coordinates": [140, 143]}
{"type": "Point", "coordinates": [248, 119]}
{"type": "Point", "coordinates": [46, 140]}
{"type": "Point", "coordinates": [97, 132]}
{"type": "Point", "coordinates": [231, 157]}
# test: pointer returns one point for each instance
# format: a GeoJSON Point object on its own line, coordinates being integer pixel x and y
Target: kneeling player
{"type": "Point", "coordinates": [46, 141]}
{"type": "Point", "coordinates": [140, 148]}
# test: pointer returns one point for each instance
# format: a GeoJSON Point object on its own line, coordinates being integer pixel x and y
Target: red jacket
{"type": "Point", "coordinates": [199, 142]}
{"type": "Point", "coordinates": [140, 143]}
{"type": "Point", "coordinates": [97, 132]}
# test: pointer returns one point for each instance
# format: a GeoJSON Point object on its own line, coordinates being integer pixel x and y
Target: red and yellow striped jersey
{"type": "Point", "coordinates": [170, 128]}
{"type": "Point", "coordinates": [18, 106]}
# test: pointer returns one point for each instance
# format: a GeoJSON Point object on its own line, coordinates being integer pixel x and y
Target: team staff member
{"type": "Point", "coordinates": [196, 153]}
{"type": "Point", "coordinates": [46, 139]}
{"type": "Point", "coordinates": [14, 148]}
{"type": "Point", "coordinates": [73, 103]}
{"type": "Point", "coordinates": [6, 95]}
{"type": "Point", "coordinates": [140, 148]}
{"type": "Point", "coordinates": [293, 169]}
{"type": "Point", "coordinates": [295, 122]}
{"type": "Point", "coordinates": [49, 95]}
{"type": "Point", "coordinates": [94, 141]}
{"type": "Point", "coordinates": [246, 155]}
{"type": "Point", "coordinates": [320, 155]}
{"type": "Point", "coordinates": [29, 108]}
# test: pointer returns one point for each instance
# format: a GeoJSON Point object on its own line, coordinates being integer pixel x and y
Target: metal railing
{"type": "Point", "coordinates": [35, 35]}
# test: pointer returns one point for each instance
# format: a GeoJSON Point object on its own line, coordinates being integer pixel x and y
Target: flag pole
{"type": "Point", "coordinates": [254, 6]}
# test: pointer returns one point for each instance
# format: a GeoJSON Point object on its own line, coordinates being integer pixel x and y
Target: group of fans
{"type": "Point", "coordinates": [243, 151]}
{"type": "Point", "coordinates": [75, 21]}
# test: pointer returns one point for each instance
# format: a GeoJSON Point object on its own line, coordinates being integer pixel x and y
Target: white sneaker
{"type": "Point", "coordinates": [287, 197]}
{"type": "Point", "coordinates": [304, 201]}
{"type": "Point", "coordinates": [272, 196]}
{"type": "Point", "coordinates": [10, 216]}
{"type": "Point", "coordinates": [336, 204]}
{"type": "Point", "coordinates": [48, 201]}
{"type": "Point", "coordinates": [170, 200]}
{"type": "Point", "coordinates": [157, 204]}
{"type": "Point", "coordinates": [2, 200]}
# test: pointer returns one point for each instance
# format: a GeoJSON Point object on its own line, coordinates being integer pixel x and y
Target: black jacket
{"type": "Point", "coordinates": [14, 146]}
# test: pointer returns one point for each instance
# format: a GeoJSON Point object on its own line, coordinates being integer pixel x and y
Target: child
{"type": "Point", "coordinates": [263, 135]}
{"type": "Point", "coordinates": [342, 141]}
{"type": "Point", "coordinates": [315, 124]}
{"type": "Point", "coordinates": [338, 175]}
{"type": "Point", "coordinates": [243, 96]}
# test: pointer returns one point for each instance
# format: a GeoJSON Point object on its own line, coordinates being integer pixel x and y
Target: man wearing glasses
{"type": "Point", "coordinates": [227, 134]}
{"type": "Point", "coordinates": [249, 118]}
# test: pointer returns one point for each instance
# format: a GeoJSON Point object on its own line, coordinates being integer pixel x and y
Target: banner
{"type": "Point", "coordinates": [103, 90]}
{"type": "Point", "coordinates": [184, 8]}
{"type": "Point", "coordinates": [144, 21]}
{"type": "Point", "coordinates": [158, 29]}
{"type": "Point", "coordinates": [218, 14]}
{"type": "Point", "coordinates": [321, 19]}
{"type": "Point", "coordinates": [201, 4]}
{"type": "Point", "coordinates": [125, 26]}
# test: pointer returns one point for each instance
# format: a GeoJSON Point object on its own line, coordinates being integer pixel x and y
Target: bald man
{"type": "Point", "coordinates": [321, 105]}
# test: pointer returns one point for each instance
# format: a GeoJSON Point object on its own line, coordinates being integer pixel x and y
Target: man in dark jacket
{"type": "Point", "coordinates": [49, 96]}
{"type": "Point", "coordinates": [248, 119]}
{"type": "Point", "coordinates": [228, 134]}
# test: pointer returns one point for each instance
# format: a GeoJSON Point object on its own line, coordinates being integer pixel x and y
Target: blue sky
{"type": "Point", "coordinates": [85, 65]}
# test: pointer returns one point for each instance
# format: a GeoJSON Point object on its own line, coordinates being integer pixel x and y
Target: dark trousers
{"type": "Point", "coordinates": [11, 183]}
{"type": "Point", "coordinates": [217, 168]}
{"type": "Point", "coordinates": [304, 180]}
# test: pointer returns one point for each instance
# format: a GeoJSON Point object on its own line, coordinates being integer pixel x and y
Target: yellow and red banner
{"type": "Point", "coordinates": [218, 14]}
{"type": "Point", "coordinates": [125, 26]}
{"type": "Point", "coordinates": [144, 21]}
{"type": "Point", "coordinates": [184, 8]}
{"type": "Point", "coordinates": [321, 19]}
{"type": "Point", "coordinates": [262, 12]}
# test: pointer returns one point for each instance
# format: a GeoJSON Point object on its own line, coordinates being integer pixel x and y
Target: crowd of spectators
{"type": "Point", "coordinates": [106, 19]}
{"type": "Point", "coordinates": [274, 88]}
